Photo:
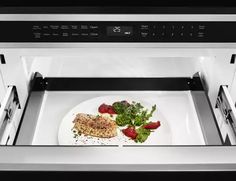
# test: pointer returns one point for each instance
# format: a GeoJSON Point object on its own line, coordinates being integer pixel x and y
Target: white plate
{"type": "Point", "coordinates": [160, 136]}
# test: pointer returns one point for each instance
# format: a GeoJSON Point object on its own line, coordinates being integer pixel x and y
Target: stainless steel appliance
{"type": "Point", "coordinates": [184, 63]}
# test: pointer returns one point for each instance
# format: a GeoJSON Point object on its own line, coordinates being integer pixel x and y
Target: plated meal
{"type": "Point", "coordinates": [132, 119]}
{"type": "Point", "coordinates": [115, 120]}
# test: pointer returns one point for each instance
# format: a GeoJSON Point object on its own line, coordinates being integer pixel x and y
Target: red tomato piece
{"type": "Point", "coordinates": [103, 108]}
{"type": "Point", "coordinates": [152, 125]}
{"type": "Point", "coordinates": [130, 132]}
{"type": "Point", "coordinates": [110, 110]}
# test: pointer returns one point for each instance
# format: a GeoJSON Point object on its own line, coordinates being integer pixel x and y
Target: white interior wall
{"type": "Point", "coordinates": [115, 66]}
{"type": "Point", "coordinates": [137, 62]}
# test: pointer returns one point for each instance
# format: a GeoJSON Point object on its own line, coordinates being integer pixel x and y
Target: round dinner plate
{"type": "Point", "coordinates": [160, 136]}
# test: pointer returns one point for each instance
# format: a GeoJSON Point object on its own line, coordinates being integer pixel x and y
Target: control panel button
{"type": "Point", "coordinates": [54, 27]}
{"type": "Point", "coordinates": [37, 35]}
{"type": "Point", "coordinates": [201, 27]}
{"type": "Point", "coordinates": [93, 27]}
{"type": "Point", "coordinates": [200, 34]}
{"type": "Point", "coordinates": [75, 34]}
{"type": "Point", "coordinates": [144, 27]}
{"type": "Point", "coordinates": [84, 34]}
{"type": "Point", "coordinates": [64, 27]}
{"type": "Point", "coordinates": [84, 27]}
{"type": "Point", "coordinates": [55, 34]}
{"type": "Point", "coordinates": [65, 34]}
{"type": "Point", "coordinates": [36, 27]}
{"type": "Point", "coordinates": [74, 27]}
{"type": "Point", "coordinates": [93, 34]}
{"type": "Point", "coordinates": [144, 34]}
{"type": "Point", "coordinates": [45, 27]}
{"type": "Point", "coordinates": [46, 34]}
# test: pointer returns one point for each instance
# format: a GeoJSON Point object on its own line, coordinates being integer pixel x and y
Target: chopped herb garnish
{"type": "Point", "coordinates": [132, 114]}
{"type": "Point", "coordinates": [142, 134]}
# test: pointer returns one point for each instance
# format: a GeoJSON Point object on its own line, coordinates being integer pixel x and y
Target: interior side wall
{"type": "Point", "coordinates": [2, 88]}
{"type": "Point", "coordinates": [233, 89]}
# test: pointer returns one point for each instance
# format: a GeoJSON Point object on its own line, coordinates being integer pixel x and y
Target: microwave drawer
{"type": "Point", "coordinates": [182, 106]}
{"type": "Point", "coordinates": [197, 140]}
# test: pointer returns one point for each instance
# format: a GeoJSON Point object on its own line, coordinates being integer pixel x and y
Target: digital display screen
{"type": "Point", "coordinates": [120, 31]}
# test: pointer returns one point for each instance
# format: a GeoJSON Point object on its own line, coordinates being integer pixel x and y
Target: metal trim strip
{"type": "Point", "coordinates": [118, 17]}
{"type": "Point", "coordinates": [187, 158]}
{"type": "Point", "coordinates": [99, 84]}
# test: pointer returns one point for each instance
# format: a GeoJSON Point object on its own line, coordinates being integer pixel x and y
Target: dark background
{"type": "Point", "coordinates": [158, 3]}
{"type": "Point", "coordinates": [111, 176]}
{"type": "Point", "coordinates": [118, 6]}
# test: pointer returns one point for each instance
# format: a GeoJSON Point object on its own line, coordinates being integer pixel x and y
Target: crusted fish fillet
{"type": "Point", "coordinates": [97, 126]}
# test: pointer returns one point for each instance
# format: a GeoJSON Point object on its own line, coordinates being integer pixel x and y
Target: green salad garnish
{"type": "Point", "coordinates": [142, 134]}
{"type": "Point", "coordinates": [132, 114]}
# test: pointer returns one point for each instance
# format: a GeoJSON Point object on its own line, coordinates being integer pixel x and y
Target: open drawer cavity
{"type": "Point", "coordinates": [182, 107]}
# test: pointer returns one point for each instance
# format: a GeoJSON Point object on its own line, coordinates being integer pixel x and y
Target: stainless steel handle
{"type": "Point", "coordinates": [227, 107]}
{"type": "Point", "coordinates": [9, 105]}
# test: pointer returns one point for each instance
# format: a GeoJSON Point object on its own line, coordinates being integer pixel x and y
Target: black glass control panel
{"type": "Point", "coordinates": [73, 31]}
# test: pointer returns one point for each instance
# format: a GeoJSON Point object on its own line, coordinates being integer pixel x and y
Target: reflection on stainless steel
{"type": "Point", "coordinates": [7, 111]}
{"type": "Point", "coordinates": [227, 110]}
{"type": "Point", "coordinates": [205, 113]}
{"type": "Point", "coordinates": [29, 124]}
{"type": "Point", "coordinates": [207, 119]}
